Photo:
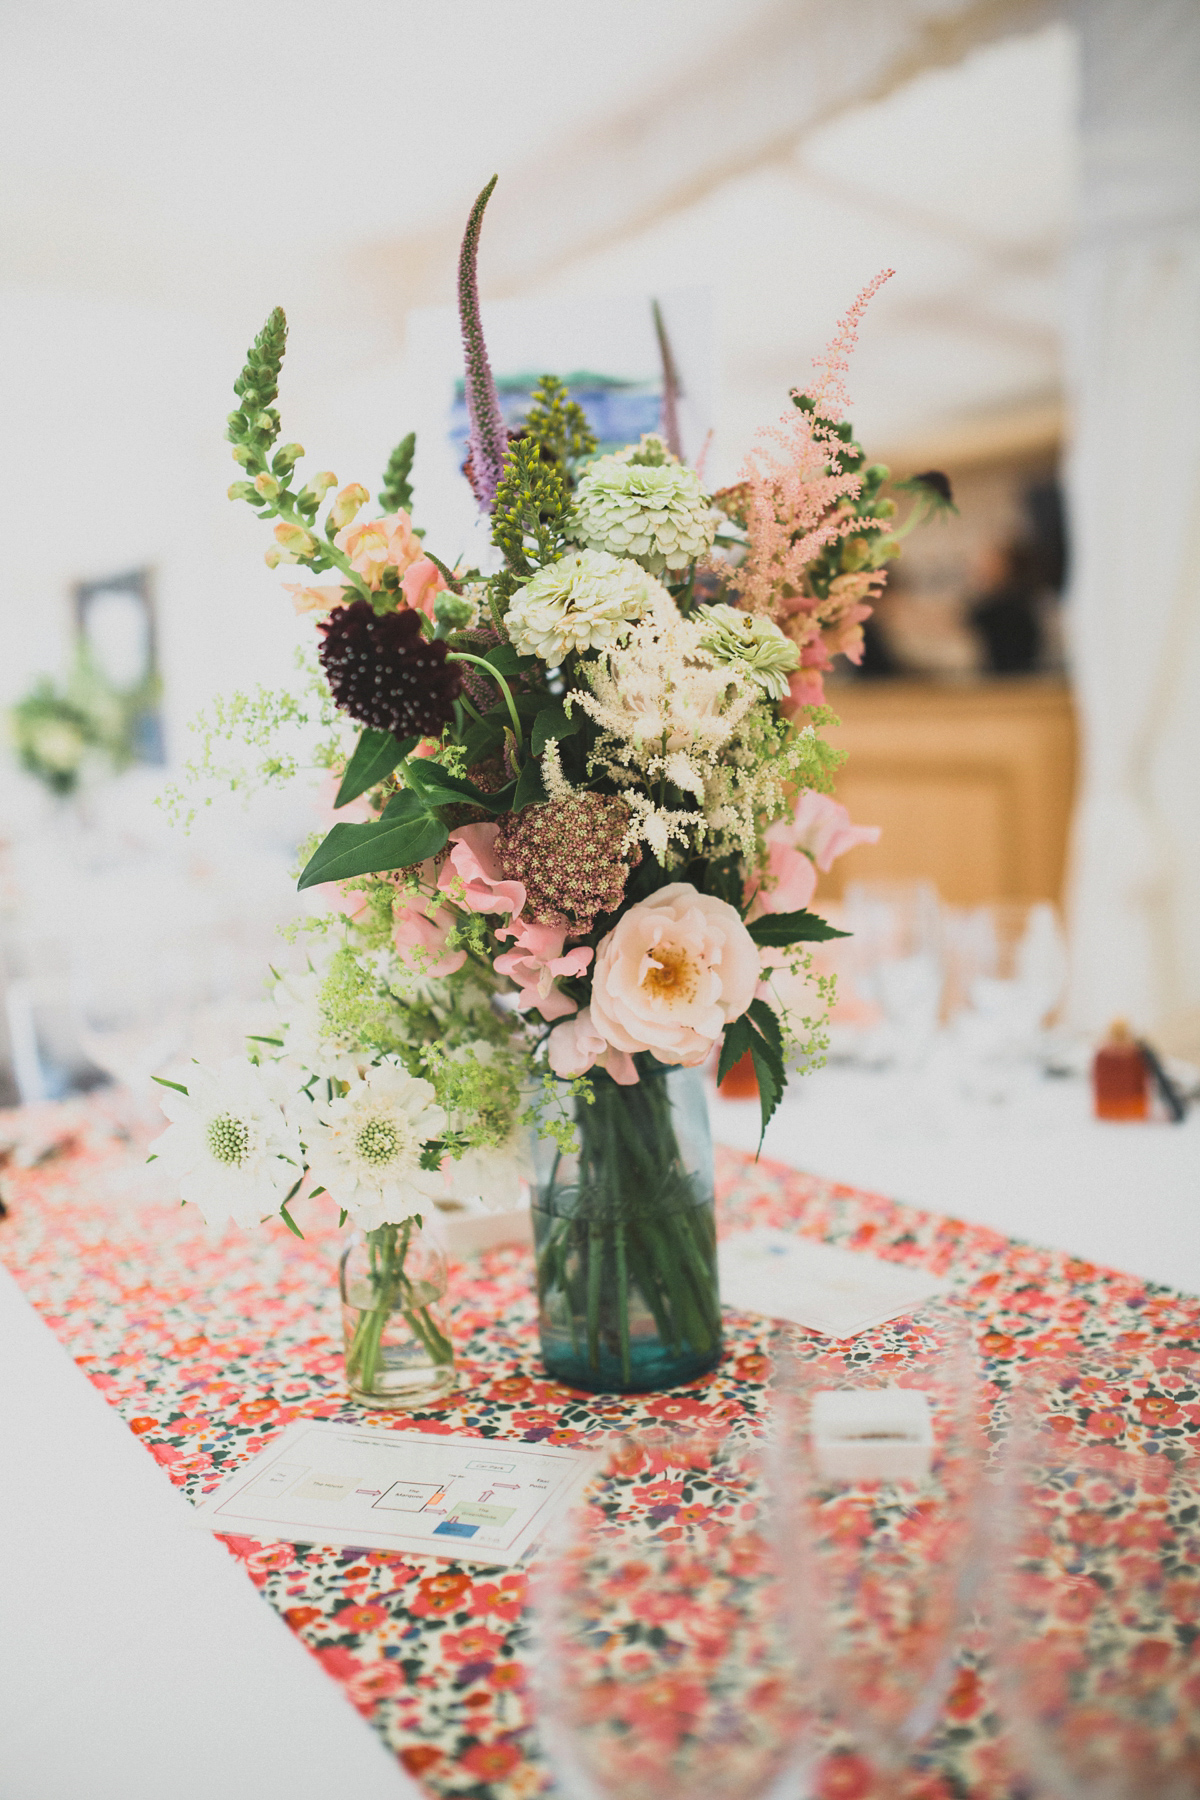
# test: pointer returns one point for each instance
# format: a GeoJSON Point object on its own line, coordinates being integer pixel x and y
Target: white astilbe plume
{"type": "Point", "coordinates": [668, 711]}
{"type": "Point", "coordinates": [553, 779]}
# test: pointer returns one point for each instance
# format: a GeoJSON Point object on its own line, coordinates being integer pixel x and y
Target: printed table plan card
{"type": "Point", "coordinates": [836, 1292]}
{"type": "Point", "coordinates": [484, 1500]}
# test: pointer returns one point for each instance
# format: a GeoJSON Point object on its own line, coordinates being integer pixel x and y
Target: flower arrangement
{"type": "Point", "coordinates": [63, 734]}
{"type": "Point", "coordinates": [583, 807]}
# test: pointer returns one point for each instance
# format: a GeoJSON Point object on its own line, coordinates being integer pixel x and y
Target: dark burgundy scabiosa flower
{"type": "Point", "coordinates": [385, 674]}
{"type": "Point", "coordinates": [571, 857]}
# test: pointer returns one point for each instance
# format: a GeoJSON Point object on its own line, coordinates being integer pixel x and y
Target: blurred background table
{"type": "Point", "coordinates": [1036, 1166]}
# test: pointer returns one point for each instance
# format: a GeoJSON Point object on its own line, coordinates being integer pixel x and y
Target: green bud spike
{"type": "Point", "coordinates": [558, 424]}
{"type": "Point", "coordinates": [396, 492]}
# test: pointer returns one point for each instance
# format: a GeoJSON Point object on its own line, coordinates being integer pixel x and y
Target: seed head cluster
{"type": "Point", "coordinates": [571, 857]}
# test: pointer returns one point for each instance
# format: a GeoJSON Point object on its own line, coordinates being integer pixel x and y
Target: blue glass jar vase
{"type": "Point", "coordinates": [625, 1237]}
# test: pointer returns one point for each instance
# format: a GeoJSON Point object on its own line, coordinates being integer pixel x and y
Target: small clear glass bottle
{"type": "Point", "coordinates": [393, 1285]}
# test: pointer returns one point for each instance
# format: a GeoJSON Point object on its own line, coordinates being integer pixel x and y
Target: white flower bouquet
{"type": "Point", "coordinates": [582, 818]}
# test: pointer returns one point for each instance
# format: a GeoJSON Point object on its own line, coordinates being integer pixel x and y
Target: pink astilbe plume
{"type": "Point", "coordinates": [790, 494]}
{"type": "Point", "coordinates": [834, 361]}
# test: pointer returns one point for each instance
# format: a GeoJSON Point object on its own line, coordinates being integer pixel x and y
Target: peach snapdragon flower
{"type": "Point", "coordinates": [371, 547]}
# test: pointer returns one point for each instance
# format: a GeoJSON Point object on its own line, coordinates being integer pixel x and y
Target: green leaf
{"type": "Point", "coordinates": [777, 930]}
{"type": "Point", "coordinates": [738, 1039]}
{"type": "Point", "coordinates": [163, 1082]}
{"type": "Point", "coordinates": [530, 791]}
{"type": "Point", "coordinates": [770, 1087]}
{"type": "Point", "coordinates": [767, 1020]}
{"type": "Point", "coordinates": [504, 659]}
{"type": "Point", "coordinates": [438, 787]}
{"type": "Point", "coordinates": [552, 722]}
{"type": "Point", "coordinates": [407, 833]}
{"type": "Point", "coordinates": [288, 1220]}
{"type": "Point", "coordinates": [375, 756]}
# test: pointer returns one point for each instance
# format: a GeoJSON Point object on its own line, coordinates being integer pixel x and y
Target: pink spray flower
{"type": "Point", "coordinates": [576, 1046]}
{"type": "Point", "coordinates": [534, 963]}
{"type": "Point", "coordinates": [672, 973]}
{"type": "Point", "coordinates": [473, 865]}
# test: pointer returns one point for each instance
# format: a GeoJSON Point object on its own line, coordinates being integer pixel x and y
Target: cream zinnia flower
{"type": "Point", "coordinates": [364, 1147]}
{"type": "Point", "coordinates": [657, 514]}
{"type": "Point", "coordinates": [753, 643]}
{"type": "Point", "coordinates": [232, 1150]}
{"type": "Point", "coordinates": [585, 601]}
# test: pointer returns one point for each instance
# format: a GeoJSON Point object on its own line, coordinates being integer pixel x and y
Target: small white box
{"type": "Point", "coordinates": [872, 1434]}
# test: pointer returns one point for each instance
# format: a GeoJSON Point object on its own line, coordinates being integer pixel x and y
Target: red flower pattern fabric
{"type": "Point", "coordinates": [209, 1344]}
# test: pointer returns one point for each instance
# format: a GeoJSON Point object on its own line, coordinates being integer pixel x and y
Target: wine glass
{"type": "Point", "coordinates": [896, 952]}
{"type": "Point", "coordinates": [667, 1666]}
{"type": "Point", "coordinates": [1097, 1600]}
{"type": "Point", "coordinates": [133, 996]}
{"type": "Point", "coordinates": [886, 1480]}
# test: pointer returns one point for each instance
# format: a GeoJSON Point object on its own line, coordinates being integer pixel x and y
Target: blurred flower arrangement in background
{"type": "Point", "coordinates": [580, 821]}
{"type": "Point", "coordinates": [85, 727]}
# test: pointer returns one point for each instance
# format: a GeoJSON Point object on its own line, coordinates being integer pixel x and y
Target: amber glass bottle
{"type": "Point", "coordinates": [1120, 1077]}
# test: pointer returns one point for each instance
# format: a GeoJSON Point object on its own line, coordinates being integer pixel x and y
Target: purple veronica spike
{"type": "Point", "coordinates": [488, 442]}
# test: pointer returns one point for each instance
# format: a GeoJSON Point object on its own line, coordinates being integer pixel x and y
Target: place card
{"type": "Point", "coordinates": [872, 1434]}
{"type": "Point", "coordinates": [477, 1500]}
{"type": "Point", "coordinates": [820, 1286]}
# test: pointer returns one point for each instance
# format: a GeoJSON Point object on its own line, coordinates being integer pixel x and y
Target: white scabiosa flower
{"type": "Point", "coordinates": [496, 1174]}
{"type": "Point", "coordinates": [364, 1146]}
{"type": "Point", "coordinates": [229, 1145]}
{"type": "Point", "coordinates": [585, 601]}
{"type": "Point", "coordinates": [753, 643]}
{"type": "Point", "coordinates": [657, 514]}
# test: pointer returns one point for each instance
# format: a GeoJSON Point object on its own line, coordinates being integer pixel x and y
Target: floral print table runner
{"type": "Point", "coordinates": [209, 1343]}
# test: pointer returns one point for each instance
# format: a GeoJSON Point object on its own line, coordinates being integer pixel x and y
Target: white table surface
{"type": "Point", "coordinates": [1038, 1166]}
{"type": "Point", "coordinates": [137, 1660]}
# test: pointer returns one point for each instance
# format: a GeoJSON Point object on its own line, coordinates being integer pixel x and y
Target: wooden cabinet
{"type": "Point", "coordinates": [973, 785]}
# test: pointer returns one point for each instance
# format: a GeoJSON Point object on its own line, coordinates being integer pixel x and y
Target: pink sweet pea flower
{"type": "Point", "coordinates": [422, 580]}
{"type": "Point", "coordinates": [822, 827]}
{"type": "Point", "coordinates": [796, 848]}
{"type": "Point", "coordinates": [576, 1046]}
{"type": "Point", "coordinates": [421, 939]}
{"type": "Point", "coordinates": [534, 962]}
{"type": "Point", "coordinates": [790, 879]}
{"type": "Point", "coordinates": [420, 934]}
{"type": "Point", "coordinates": [473, 864]}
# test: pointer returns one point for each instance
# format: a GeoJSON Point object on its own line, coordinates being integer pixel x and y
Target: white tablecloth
{"type": "Point", "coordinates": [1035, 1166]}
